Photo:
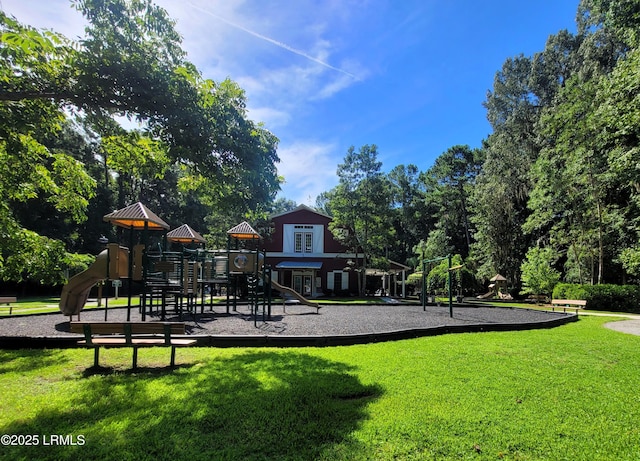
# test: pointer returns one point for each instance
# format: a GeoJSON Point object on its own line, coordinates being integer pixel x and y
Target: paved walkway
{"type": "Point", "coordinates": [631, 327]}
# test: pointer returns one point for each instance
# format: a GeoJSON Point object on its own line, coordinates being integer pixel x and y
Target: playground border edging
{"type": "Point", "coordinates": [61, 342]}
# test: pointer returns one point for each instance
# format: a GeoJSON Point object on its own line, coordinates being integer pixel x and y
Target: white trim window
{"type": "Point", "coordinates": [303, 238]}
{"type": "Point", "coordinates": [338, 280]}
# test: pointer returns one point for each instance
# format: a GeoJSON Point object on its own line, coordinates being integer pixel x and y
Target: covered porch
{"type": "Point", "coordinates": [393, 279]}
{"type": "Point", "coordinates": [301, 276]}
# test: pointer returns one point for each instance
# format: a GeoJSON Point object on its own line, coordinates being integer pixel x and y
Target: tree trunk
{"type": "Point", "coordinates": [600, 247]}
{"type": "Point", "coordinates": [577, 256]}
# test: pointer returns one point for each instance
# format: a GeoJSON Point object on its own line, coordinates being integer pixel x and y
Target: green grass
{"type": "Point", "coordinates": [568, 393]}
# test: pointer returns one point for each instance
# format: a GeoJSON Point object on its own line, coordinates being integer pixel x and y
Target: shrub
{"type": "Point", "coordinates": [77, 263]}
{"type": "Point", "coordinates": [615, 298]}
{"type": "Point", "coordinates": [570, 291]}
{"type": "Point", "coordinates": [538, 277]}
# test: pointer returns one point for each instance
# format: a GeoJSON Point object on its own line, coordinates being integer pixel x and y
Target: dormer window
{"type": "Point", "coordinates": [303, 239]}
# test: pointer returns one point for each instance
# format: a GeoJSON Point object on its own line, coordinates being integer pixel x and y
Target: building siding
{"type": "Point", "coordinates": [334, 255]}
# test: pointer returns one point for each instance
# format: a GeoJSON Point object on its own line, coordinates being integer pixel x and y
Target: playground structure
{"type": "Point", "coordinates": [113, 261]}
{"type": "Point", "coordinates": [178, 280]}
{"type": "Point", "coordinates": [291, 292]}
{"type": "Point", "coordinates": [497, 288]}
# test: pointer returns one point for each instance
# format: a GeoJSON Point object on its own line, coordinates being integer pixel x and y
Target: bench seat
{"type": "Point", "coordinates": [139, 342]}
{"type": "Point", "coordinates": [131, 334]}
{"type": "Point", "coordinates": [8, 301]}
{"type": "Point", "coordinates": [568, 304]}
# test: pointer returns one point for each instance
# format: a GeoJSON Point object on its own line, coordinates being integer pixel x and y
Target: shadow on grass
{"type": "Point", "coordinates": [26, 360]}
{"type": "Point", "coordinates": [101, 370]}
{"type": "Point", "coordinates": [258, 405]}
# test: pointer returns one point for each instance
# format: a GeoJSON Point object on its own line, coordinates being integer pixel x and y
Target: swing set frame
{"type": "Point", "coordinates": [449, 278]}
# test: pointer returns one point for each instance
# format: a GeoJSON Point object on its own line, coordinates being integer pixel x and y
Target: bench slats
{"type": "Point", "coordinates": [137, 328]}
{"type": "Point", "coordinates": [576, 302]}
{"type": "Point", "coordinates": [8, 300]}
{"type": "Point", "coordinates": [139, 342]}
{"type": "Point", "coordinates": [131, 334]}
{"type": "Point", "coordinates": [568, 303]}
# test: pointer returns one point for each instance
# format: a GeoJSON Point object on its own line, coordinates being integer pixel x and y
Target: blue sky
{"type": "Point", "coordinates": [407, 75]}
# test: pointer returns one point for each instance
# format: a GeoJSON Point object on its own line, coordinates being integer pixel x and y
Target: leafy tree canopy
{"type": "Point", "coordinates": [196, 141]}
{"type": "Point", "coordinates": [538, 276]}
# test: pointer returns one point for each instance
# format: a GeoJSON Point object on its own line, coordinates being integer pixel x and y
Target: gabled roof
{"type": "Point", "coordinates": [300, 208]}
{"type": "Point", "coordinates": [395, 265]}
{"type": "Point", "coordinates": [243, 231]}
{"type": "Point", "coordinates": [185, 234]}
{"type": "Point", "coordinates": [136, 216]}
{"type": "Point", "coordinates": [394, 268]}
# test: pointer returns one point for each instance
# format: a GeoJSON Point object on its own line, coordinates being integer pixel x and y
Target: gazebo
{"type": "Point", "coordinates": [389, 277]}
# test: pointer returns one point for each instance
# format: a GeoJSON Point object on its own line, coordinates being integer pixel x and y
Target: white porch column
{"type": "Point", "coordinates": [404, 292]}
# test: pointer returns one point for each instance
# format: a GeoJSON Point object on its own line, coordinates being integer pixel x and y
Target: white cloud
{"type": "Point", "coordinates": [55, 15]}
{"type": "Point", "coordinates": [322, 59]}
{"type": "Point", "coordinates": [287, 58]}
{"type": "Point", "coordinates": [332, 87]}
{"type": "Point", "coordinates": [308, 168]}
{"type": "Point", "coordinates": [271, 117]}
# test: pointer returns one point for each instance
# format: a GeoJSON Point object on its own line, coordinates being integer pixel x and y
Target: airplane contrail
{"type": "Point", "coordinates": [274, 42]}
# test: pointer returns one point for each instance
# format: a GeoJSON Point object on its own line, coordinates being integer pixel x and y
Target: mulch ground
{"type": "Point", "coordinates": [298, 320]}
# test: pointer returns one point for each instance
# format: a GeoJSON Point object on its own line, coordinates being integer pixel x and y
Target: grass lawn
{"type": "Point", "coordinates": [568, 393]}
{"type": "Point", "coordinates": [44, 305]}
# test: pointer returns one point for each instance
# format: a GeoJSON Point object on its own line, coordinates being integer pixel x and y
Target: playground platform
{"type": "Point", "coordinates": [299, 326]}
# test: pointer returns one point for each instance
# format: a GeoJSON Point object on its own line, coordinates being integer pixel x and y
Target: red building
{"type": "Point", "coordinates": [304, 255]}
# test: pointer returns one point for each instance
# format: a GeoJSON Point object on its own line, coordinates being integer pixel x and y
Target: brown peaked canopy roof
{"type": "Point", "coordinates": [185, 234]}
{"type": "Point", "coordinates": [136, 216]}
{"type": "Point", "coordinates": [243, 231]}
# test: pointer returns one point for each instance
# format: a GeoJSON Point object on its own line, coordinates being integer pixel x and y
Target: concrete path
{"type": "Point", "coordinates": [631, 327]}
{"type": "Point", "coordinates": [630, 324]}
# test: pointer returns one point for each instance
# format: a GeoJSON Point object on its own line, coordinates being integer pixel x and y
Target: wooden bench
{"type": "Point", "coordinates": [568, 303]}
{"type": "Point", "coordinates": [537, 298]}
{"type": "Point", "coordinates": [131, 334]}
{"type": "Point", "coordinates": [9, 301]}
